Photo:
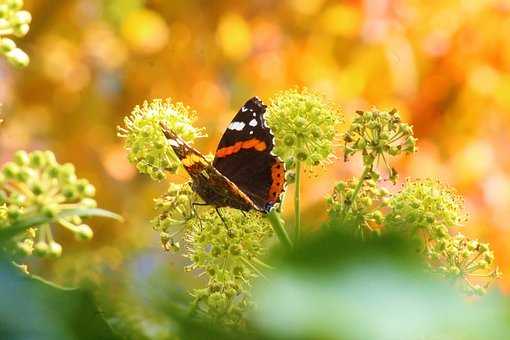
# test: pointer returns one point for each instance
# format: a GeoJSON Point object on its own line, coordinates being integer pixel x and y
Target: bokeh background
{"type": "Point", "coordinates": [444, 64]}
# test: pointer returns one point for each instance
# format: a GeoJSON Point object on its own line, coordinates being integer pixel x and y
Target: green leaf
{"type": "Point", "coordinates": [32, 308]}
{"type": "Point", "coordinates": [335, 286]}
{"type": "Point", "coordinates": [24, 224]}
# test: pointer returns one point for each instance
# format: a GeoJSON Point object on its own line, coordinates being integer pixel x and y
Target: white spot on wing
{"type": "Point", "coordinates": [244, 109]}
{"type": "Point", "coordinates": [254, 114]}
{"type": "Point", "coordinates": [173, 142]}
{"type": "Point", "coordinates": [253, 122]}
{"type": "Point", "coordinates": [238, 126]}
{"type": "Point", "coordinates": [251, 132]}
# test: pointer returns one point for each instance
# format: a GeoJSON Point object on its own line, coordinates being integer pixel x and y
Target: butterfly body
{"type": "Point", "coordinates": [244, 175]}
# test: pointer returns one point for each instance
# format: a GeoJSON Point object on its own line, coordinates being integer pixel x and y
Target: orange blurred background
{"type": "Point", "coordinates": [444, 64]}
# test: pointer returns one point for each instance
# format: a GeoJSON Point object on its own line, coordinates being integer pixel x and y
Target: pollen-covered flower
{"type": "Point", "coordinates": [13, 22]}
{"type": "Point", "coordinates": [365, 210]}
{"type": "Point", "coordinates": [305, 127]}
{"type": "Point", "coordinates": [229, 254]}
{"type": "Point", "coordinates": [427, 210]}
{"type": "Point", "coordinates": [467, 261]}
{"type": "Point", "coordinates": [376, 135]}
{"type": "Point", "coordinates": [427, 205]}
{"type": "Point", "coordinates": [146, 145]}
{"type": "Point", "coordinates": [35, 184]}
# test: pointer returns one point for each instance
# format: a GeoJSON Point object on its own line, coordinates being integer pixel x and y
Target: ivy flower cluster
{"type": "Point", "coordinates": [226, 250]}
{"type": "Point", "coordinates": [427, 210]}
{"type": "Point", "coordinates": [175, 210]}
{"type": "Point", "coordinates": [376, 135]}
{"type": "Point", "coordinates": [363, 209]}
{"type": "Point", "coordinates": [147, 147]}
{"type": "Point", "coordinates": [305, 127]}
{"type": "Point", "coordinates": [35, 184]}
{"type": "Point", "coordinates": [13, 22]}
{"type": "Point", "coordinates": [470, 263]}
{"type": "Point", "coordinates": [427, 205]}
{"type": "Point", "coordinates": [229, 255]}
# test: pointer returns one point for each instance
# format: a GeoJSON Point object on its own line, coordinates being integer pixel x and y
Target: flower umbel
{"type": "Point", "coordinates": [427, 210]}
{"type": "Point", "coordinates": [13, 22]}
{"type": "Point", "coordinates": [470, 263]}
{"type": "Point", "coordinates": [376, 135]}
{"type": "Point", "coordinates": [426, 205]}
{"type": "Point", "coordinates": [230, 257]}
{"type": "Point", "coordinates": [35, 184]}
{"type": "Point", "coordinates": [175, 209]}
{"type": "Point", "coordinates": [366, 208]}
{"type": "Point", "coordinates": [147, 146]}
{"type": "Point", "coordinates": [304, 126]}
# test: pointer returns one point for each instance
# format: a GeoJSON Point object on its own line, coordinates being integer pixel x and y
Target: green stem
{"type": "Point", "coordinates": [33, 221]}
{"type": "Point", "coordinates": [346, 207]}
{"type": "Point", "coordinates": [297, 204]}
{"type": "Point", "coordinates": [276, 223]}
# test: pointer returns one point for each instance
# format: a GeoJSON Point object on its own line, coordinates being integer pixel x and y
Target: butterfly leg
{"type": "Point", "coordinates": [193, 207]}
{"type": "Point", "coordinates": [222, 219]}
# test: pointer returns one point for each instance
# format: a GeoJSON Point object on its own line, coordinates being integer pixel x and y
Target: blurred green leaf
{"type": "Point", "coordinates": [31, 308]}
{"type": "Point", "coordinates": [338, 287]}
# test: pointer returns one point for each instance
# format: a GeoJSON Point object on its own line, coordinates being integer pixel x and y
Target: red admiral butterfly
{"type": "Point", "coordinates": [244, 174]}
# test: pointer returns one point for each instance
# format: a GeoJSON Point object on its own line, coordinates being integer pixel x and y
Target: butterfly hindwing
{"type": "Point", "coordinates": [244, 156]}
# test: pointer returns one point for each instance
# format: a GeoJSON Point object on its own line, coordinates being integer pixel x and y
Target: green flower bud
{"type": "Point", "coordinates": [84, 232]}
{"type": "Point", "coordinates": [10, 170]}
{"type": "Point", "coordinates": [302, 156]}
{"type": "Point", "coordinates": [88, 203]}
{"type": "Point", "coordinates": [289, 140]}
{"type": "Point", "coordinates": [41, 249]}
{"type": "Point", "coordinates": [6, 45]}
{"type": "Point", "coordinates": [17, 57]}
{"type": "Point", "coordinates": [51, 210]}
{"type": "Point", "coordinates": [15, 5]}
{"type": "Point", "coordinates": [21, 158]}
{"type": "Point", "coordinates": [54, 249]}
{"type": "Point", "coordinates": [22, 18]}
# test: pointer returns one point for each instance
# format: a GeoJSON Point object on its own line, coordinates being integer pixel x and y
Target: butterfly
{"type": "Point", "coordinates": [244, 174]}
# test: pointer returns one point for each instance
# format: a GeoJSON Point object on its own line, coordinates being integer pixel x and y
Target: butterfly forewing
{"type": "Point", "coordinates": [244, 156]}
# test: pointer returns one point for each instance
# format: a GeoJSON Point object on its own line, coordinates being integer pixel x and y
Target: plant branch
{"type": "Point", "coordinates": [297, 204]}
{"type": "Point", "coordinates": [352, 199]}
{"type": "Point", "coordinates": [279, 228]}
{"type": "Point", "coordinates": [24, 224]}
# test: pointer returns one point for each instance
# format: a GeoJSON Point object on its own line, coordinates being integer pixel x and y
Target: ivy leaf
{"type": "Point", "coordinates": [33, 308]}
{"type": "Point", "coordinates": [335, 286]}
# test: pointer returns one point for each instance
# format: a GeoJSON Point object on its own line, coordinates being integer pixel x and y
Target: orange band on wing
{"type": "Point", "coordinates": [254, 143]}
{"type": "Point", "coordinates": [278, 182]}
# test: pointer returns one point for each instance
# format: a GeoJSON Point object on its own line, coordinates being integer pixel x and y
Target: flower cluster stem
{"type": "Point", "coordinates": [297, 203]}
{"type": "Point", "coordinates": [346, 207]}
{"type": "Point", "coordinates": [278, 227]}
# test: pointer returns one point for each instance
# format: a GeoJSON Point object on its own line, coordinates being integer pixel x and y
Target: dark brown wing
{"type": "Point", "coordinates": [244, 156]}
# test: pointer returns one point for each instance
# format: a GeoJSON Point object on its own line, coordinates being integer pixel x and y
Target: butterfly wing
{"type": "Point", "coordinates": [244, 156]}
{"type": "Point", "coordinates": [211, 185]}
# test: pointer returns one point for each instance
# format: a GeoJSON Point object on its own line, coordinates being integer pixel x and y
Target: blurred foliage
{"type": "Point", "coordinates": [444, 64]}
{"type": "Point", "coordinates": [336, 286]}
{"type": "Point", "coordinates": [47, 311]}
